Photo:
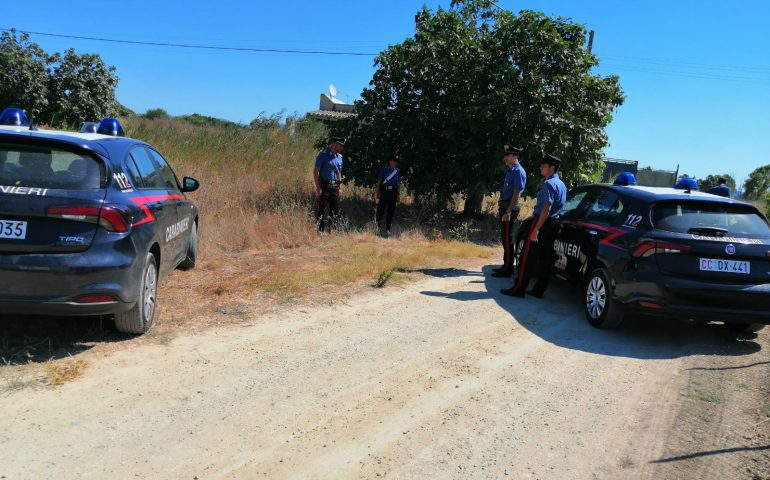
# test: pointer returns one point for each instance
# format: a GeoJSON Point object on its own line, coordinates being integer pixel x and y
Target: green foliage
{"type": "Point", "coordinates": [60, 89]}
{"type": "Point", "coordinates": [24, 74]}
{"type": "Point", "coordinates": [471, 79]}
{"type": "Point", "coordinates": [712, 181]}
{"type": "Point", "coordinates": [155, 113]}
{"type": "Point", "coordinates": [758, 184]}
{"type": "Point", "coordinates": [265, 121]}
{"type": "Point", "coordinates": [206, 121]}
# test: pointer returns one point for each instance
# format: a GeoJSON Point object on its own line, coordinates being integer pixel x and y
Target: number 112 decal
{"type": "Point", "coordinates": [632, 220]}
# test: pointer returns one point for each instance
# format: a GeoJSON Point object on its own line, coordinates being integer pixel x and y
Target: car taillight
{"type": "Point", "coordinates": [112, 218]}
{"type": "Point", "coordinates": [651, 247]}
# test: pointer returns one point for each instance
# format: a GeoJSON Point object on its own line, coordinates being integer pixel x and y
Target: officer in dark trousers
{"type": "Point", "coordinates": [538, 248]}
{"type": "Point", "coordinates": [328, 183]}
{"type": "Point", "coordinates": [508, 206]}
{"type": "Point", "coordinates": [388, 184]}
{"type": "Point", "coordinates": [722, 189]}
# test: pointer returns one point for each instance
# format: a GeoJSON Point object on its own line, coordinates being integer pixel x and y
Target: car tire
{"type": "Point", "coordinates": [139, 319]}
{"type": "Point", "coordinates": [744, 327]}
{"type": "Point", "coordinates": [598, 305]}
{"type": "Point", "coordinates": [192, 250]}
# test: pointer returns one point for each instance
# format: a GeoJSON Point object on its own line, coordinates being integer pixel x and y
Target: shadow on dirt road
{"type": "Point", "coordinates": [559, 319]}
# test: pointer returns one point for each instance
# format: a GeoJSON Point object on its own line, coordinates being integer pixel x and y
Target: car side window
{"type": "Point", "coordinates": [169, 178]}
{"type": "Point", "coordinates": [146, 169]}
{"type": "Point", "coordinates": [133, 173]}
{"type": "Point", "coordinates": [571, 210]}
{"type": "Point", "coordinates": [604, 206]}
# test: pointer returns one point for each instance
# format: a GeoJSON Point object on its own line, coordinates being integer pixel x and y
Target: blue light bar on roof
{"type": "Point", "coordinates": [15, 117]}
{"type": "Point", "coordinates": [111, 126]}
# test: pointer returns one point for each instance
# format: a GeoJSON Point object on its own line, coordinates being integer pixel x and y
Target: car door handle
{"type": "Point", "coordinates": [593, 232]}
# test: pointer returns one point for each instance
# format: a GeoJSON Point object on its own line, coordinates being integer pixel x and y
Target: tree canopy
{"type": "Point", "coordinates": [757, 186]}
{"type": "Point", "coordinates": [471, 79]}
{"type": "Point", "coordinates": [58, 89]}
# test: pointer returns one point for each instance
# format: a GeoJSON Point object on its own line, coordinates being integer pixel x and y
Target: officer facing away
{"type": "Point", "coordinates": [388, 184]}
{"type": "Point", "coordinates": [328, 183]}
{"type": "Point", "coordinates": [721, 189]}
{"type": "Point", "coordinates": [538, 249]}
{"type": "Point", "coordinates": [508, 206]}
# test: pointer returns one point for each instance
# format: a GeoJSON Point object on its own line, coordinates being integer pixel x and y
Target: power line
{"type": "Point", "coordinates": [200, 47]}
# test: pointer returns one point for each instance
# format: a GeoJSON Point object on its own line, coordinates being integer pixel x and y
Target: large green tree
{"type": "Point", "coordinates": [472, 78]}
{"type": "Point", "coordinates": [757, 186]}
{"type": "Point", "coordinates": [24, 73]}
{"type": "Point", "coordinates": [59, 89]}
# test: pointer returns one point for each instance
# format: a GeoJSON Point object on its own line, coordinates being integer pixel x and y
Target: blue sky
{"type": "Point", "coordinates": [696, 73]}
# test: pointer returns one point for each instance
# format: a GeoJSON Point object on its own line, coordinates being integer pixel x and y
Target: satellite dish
{"type": "Point", "coordinates": [333, 90]}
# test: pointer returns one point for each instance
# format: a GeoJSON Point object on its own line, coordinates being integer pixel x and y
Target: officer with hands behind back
{"type": "Point", "coordinates": [538, 248]}
{"type": "Point", "coordinates": [328, 183]}
{"type": "Point", "coordinates": [388, 184]}
{"type": "Point", "coordinates": [508, 206]}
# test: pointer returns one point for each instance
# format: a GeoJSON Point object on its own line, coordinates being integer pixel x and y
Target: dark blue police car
{"type": "Point", "coordinates": [664, 252]}
{"type": "Point", "coordinates": [89, 223]}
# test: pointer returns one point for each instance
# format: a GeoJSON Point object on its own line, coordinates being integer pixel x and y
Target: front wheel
{"type": "Point", "coordinates": [601, 311]}
{"type": "Point", "coordinates": [139, 319]}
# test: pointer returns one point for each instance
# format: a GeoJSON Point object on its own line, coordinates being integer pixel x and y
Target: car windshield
{"type": "Point", "coordinates": [36, 167]}
{"type": "Point", "coordinates": [710, 219]}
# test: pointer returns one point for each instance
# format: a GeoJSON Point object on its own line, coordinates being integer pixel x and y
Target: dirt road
{"type": "Point", "coordinates": [442, 378]}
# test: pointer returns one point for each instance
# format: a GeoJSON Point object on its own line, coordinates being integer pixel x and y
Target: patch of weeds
{"type": "Point", "coordinates": [163, 337]}
{"type": "Point", "coordinates": [16, 383]}
{"type": "Point", "coordinates": [742, 386]}
{"type": "Point", "coordinates": [625, 462]}
{"type": "Point", "coordinates": [766, 409]}
{"type": "Point", "coordinates": [64, 371]}
{"type": "Point", "coordinates": [383, 278]}
{"type": "Point", "coordinates": [705, 417]}
{"type": "Point", "coordinates": [706, 396]}
{"type": "Point", "coordinates": [232, 309]}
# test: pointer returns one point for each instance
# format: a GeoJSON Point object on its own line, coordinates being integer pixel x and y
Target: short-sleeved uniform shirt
{"type": "Point", "coordinates": [329, 165]}
{"type": "Point", "coordinates": [515, 180]}
{"type": "Point", "coordinates": [721, 190]}
{"type": "Point", "coordinates": [552, 192]}
{"type": "Point", "coordinates": [389, 177]}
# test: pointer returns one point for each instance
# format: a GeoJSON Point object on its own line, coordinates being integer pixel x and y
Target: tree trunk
{"type": "Point", "coordinates": [473, 202]}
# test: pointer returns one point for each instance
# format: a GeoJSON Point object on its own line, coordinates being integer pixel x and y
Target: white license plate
{"type": "Point", "coordinates": [729, 266]}
{"type": "Point", "coordinates": [13, 229]}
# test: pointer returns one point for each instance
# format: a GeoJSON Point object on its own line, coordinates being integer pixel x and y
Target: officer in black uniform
{"type": "Point", "coordinates": [328, 183]}
{"type": "Point", "coordinates": [508, 207]}
{"type": "Point", "coordinates": [721, 189]}
{"type": "Point", "coordinates": [388, 184]}
{"type": "Point", "coordinates": [542, 232]}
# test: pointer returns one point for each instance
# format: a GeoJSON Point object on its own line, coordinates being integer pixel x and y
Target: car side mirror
{"type": "Point", "coordinates": [190, 184]}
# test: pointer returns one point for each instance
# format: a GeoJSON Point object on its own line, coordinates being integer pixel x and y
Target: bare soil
{"type": "Point", "coordinates": [438, 378]}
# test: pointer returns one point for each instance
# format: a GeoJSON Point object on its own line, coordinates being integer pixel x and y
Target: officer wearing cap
{"type": "Point", "coordinates": [328, 183]}
{"type": "Point", "coordinates": [686, 183]}
{"type": "Point", "coordinates": [721, 189]}
{"type": "Point", "coordinates": [508, 206]}
{"type": "Point", "coordinates": [542, 232]}
{"type": "Point", "coordinates": [388, 184]}
{"type": "Point", "coordinates": [625, 178]}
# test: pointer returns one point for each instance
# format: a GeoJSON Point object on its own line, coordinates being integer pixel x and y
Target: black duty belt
{"type": "Point", "coordinates": [331, 183]}
{"type": "Point", "coordinates": [389, 187]}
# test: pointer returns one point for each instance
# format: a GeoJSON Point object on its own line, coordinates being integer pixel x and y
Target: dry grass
{"type": "Point", "coordinates": [64, 371]}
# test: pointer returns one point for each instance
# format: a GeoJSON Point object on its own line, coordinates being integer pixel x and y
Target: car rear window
{"type": "Point", "coordinates": [40, 167]}
{"type": "Point", "coordinates": [710, 219]}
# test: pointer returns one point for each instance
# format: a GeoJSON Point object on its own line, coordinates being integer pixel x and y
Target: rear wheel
{"type": "Point", "coordinates": [601, 311]}
{"type": "Point", "coordinates": [744, 327]}
{"type": "Point", "coordinates": [139, 319]}
{"type": "Point", "coordinates": [192, 250]}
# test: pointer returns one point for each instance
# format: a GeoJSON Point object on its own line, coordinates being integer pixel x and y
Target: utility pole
{"type": "Point", "coordinates": [590, 40]}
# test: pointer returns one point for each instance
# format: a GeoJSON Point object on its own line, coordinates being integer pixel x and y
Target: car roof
{"type": "Point", "coordinates": [106, 145]}
{"type": "Point", "coordinates": [657, 194]}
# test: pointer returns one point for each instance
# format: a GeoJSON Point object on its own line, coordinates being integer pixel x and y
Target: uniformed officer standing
{"type": "Point", "coordinates": [328, 183]}
{"type": "Point", "coordinates": [542, 233]}
{"type": "Point", "coordinates": [721, 189]}
{"type": "Point", "coordinates": [508, 206]}
{"type": "Point", "coordinates": [388, 184]}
